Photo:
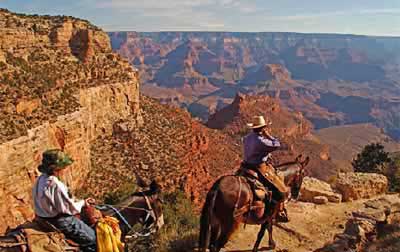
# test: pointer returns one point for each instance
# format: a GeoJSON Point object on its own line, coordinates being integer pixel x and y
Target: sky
{"type": "Point", "coordinates": [367, 17]}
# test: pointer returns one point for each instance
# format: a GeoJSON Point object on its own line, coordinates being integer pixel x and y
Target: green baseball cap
{"type": "Point", "coordinates": [57, 158]}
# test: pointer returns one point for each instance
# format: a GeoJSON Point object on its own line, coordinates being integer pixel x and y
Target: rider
{"type": "Point", "coordinates": [258, 146]}
{"type": "Point", "coordinates": [53, 203]}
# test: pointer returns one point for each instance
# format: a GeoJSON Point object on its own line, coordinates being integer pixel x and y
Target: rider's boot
{"type": "Point", "coordinates": [282, 215]}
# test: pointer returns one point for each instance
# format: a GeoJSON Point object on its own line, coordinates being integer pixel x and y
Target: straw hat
{"type": "Point", "coordinates": [258, 122]}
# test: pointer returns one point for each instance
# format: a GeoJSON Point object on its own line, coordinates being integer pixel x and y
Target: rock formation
{"type": "Point", "coordinates": [357, 185]}
{"type": "Point", "coordinates": [312, 189]}
{"type": "Point", "coordinates": [170, 146]}
{"type": "Point", "coordinates": [61, 86]}
{"type": "Point", "coordinates": [365, 226]}
{"type": "Point", "coordinates": [337, 79]}
{"type": "Point", "coordinates": [291, 128]}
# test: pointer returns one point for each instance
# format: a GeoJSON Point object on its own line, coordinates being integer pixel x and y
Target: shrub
{"type": "Point", "coordinates": [371, 159]}
{"type": "Point", "coordinates": [181, 227]}
{"type": "Point", "coordinates": [393, 174]}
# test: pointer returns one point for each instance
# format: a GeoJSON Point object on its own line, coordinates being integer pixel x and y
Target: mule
{"type": "Point", "coordinates": [228, 204]}
{"type": "Point", "coordinates": [141, 207]}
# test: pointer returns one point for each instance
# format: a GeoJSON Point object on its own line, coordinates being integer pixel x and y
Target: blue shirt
{"type": "Point", "coordinates": [257, 148]}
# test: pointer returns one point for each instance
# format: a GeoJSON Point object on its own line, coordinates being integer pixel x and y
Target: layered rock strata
{"type": "Point", "coordinates": [60, 87]}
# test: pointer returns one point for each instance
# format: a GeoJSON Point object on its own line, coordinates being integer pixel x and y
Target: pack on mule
{"type": "Point", "coordinates": [231, 201]}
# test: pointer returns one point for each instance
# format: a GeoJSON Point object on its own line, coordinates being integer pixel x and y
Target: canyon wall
{"type": "Point", "coordinates": [332, 79]}
{"type": "Point", "coordinates": [86, 89]}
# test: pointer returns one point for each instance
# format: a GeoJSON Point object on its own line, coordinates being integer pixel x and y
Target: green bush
{"type": "Point", "coordinates": [180, 232]}
{"type": "Point", "coordinates": [393, 173]}
{"type": "Point", "coordinates": [371, 159]}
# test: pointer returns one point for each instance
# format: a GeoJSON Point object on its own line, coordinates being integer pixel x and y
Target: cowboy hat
{"type": "Point", "coordinates": [258, 122]}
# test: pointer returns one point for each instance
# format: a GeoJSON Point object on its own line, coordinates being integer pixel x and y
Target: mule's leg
{"type": "Point", "coordinates": [215, 234]}
{"type": "Point", "coordinates": [226, 233]}
{"type": "Point", "coordinates": [271, 241]}
{"type": "Point", "coordinates": [260, 236]}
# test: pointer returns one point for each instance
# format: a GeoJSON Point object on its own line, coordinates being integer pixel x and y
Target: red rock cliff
{"type": "Point", "coordinates": [60, 87]}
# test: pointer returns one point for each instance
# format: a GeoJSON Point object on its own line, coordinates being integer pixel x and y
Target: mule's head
{"type": "Point", "coordinates": [297, 179]}
{"type": "Point", "coordinates": [156, 204]}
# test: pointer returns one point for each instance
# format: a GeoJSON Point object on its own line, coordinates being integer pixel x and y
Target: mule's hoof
{"type": "Point", "coordinates": [282, 218]}
{"type": "Point", "coordinates": [272, 245]}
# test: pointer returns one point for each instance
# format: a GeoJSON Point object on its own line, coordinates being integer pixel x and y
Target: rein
{"type": "Point", "coordinates": [149, 213]}
{"type": "Point", "coordinates": [286, 164]}
{"type": "Point", "coordinates": [116, 211]}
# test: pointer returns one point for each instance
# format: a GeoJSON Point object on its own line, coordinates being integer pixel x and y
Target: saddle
{"type": "Point", "coordinates": [260, 192]}
{"type": "Point", "coordinates": [41, 236]}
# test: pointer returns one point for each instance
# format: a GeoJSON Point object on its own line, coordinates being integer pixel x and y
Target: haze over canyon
{"type": "Point", "coordinates": [332, 79]}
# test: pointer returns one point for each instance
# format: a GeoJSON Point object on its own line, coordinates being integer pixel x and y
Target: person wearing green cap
{"type": "Point", "coordinates": [53, 202]}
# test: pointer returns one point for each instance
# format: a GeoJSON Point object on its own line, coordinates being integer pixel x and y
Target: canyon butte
{"type": "Point", "coordinates": [332, 79]}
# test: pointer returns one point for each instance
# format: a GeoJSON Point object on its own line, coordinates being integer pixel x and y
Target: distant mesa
{"type": "Point", "coordinates": [332, 79]}
{"type": "Point", "coordinates": [266, 74]}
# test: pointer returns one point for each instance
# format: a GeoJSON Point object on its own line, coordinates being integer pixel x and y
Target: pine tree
{"type": "Point", "coordinates": [371, 159]}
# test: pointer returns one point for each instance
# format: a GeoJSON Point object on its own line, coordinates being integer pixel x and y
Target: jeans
{"type": "Point", "coordinates": [77, 231]}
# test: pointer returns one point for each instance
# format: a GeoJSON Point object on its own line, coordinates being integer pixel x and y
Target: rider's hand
{"type": "Point", "coordinates": [90, 201]}
{"type": "Point", "coordinates": [267, 133]}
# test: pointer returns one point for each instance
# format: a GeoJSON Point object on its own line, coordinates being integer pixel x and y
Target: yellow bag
{"type": "Point", "coordinates": [109, 235]}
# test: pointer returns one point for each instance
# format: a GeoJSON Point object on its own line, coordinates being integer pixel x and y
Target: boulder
{"type": "Point", "coordinates": [313, 187]}
{"type": "Point", "coordinates": [355, 186]}
{"type": "Point", "coordinates": [320, 200]}
{"type": "Point", "coordinates": [365, 225]}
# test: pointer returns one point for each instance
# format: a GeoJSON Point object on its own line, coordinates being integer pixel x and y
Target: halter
{"type": "Point", "coordinates": [149, 213]}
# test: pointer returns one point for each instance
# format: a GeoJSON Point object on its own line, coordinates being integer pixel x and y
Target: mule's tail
{"type": "Point", "coordinates": [205, 219]}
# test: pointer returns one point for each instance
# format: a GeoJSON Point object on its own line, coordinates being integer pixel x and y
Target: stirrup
{"type": "Point", "coordinates": [282, 217]}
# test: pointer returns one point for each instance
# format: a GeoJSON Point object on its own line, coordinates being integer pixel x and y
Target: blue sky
{"type": "Point", "coordinates": [371, 17]}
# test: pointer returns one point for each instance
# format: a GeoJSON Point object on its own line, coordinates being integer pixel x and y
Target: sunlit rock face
{"type": "Point", "coordinates": [61, 86]}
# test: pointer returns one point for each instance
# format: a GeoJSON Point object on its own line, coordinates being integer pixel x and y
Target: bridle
{"type": "Point", "coordinates": [296, 174]}
{"type": "Point", "coordinates": [150, 213]}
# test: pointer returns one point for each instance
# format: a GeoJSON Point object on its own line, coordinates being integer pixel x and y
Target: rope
{"type": "Point", "coordinates": [135, 234]}
{"type": "Point", "coordinates": [117, 212]}
{"type": "Point", "coordinates": [240, 190]}
{"type": "Point", "coordinates": [150, 212]}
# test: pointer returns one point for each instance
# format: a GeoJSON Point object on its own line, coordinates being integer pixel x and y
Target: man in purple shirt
{"type": "Point", "coordinates": [258, 146]}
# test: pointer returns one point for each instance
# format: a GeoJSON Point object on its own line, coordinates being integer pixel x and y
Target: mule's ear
{"type": "Point", "coordinates": [155, 187]}
{"type": "Point", "coordinates": [140, 182]}
{"type": "Point", "coordinates": [298, 158]}
{"type": "Point", "coordinates": [306, 161]}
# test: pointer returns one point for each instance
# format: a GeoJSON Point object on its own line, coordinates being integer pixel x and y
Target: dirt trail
{"type": "Point", "coordinates": [311, 226]}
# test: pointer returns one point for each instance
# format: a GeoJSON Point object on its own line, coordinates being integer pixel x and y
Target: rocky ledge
{"type": "Point", "coordinates": [366, 225]}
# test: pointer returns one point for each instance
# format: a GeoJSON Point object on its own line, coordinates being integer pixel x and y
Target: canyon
{"type": "Point", "coordinates": [332, 79]}
{"type": "Point", "coordinates": [62, 86]}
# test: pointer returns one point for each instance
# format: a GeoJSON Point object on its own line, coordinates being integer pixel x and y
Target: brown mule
{"type": "Point", "coordinates": [142, 207]}
{"type": "Point", "coordinates": [229, 203]}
